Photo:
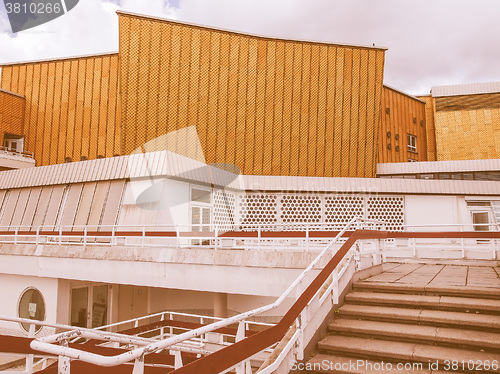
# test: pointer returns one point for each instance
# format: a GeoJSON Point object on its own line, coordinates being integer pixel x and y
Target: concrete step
{"type": "Point", "coordinates": [402, 352]}
{"type": "Point", "coordinates": [475, 340]}
{"type": "Point", "coordinates": [408, 288]}
{"type": "Point", "coordinates": [335, 364]}
{"type": "Point", "coordinates": [455, 303]}
{"type": "Point", "coordinates": [421, 316]}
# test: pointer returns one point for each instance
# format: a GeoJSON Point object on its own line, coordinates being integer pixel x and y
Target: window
{"type": "Point", "coordinates": [426, 176]}
{"type": "Point", "coordinates": [412, 143]}
{"type": "Point", "coordinates": [412, 160]}
{"type": "Point", "coordinates": [13, 143]}
{"type": "Point", "coordinates": [200, 195]}
{"type": "Point", "coordinates": [31, 306]}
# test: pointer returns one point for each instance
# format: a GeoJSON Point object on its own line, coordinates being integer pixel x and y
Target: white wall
{"type": "Point", "coordinates": [12, 289]}
{"type": "Point", "coordinates": [435, 210]}
{"type": "Point", "coordinates": [168, 203]}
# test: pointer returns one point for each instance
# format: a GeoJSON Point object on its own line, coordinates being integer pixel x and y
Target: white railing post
{"type": "Point", "coordinates": [63, 364]}
{"type": "Point", "coordinates": [258, 237]}
{"type": "Point", "coordinates": [138, 366]}
{"type": "Point", "coordinates": [85, 236]}
{"type": "Point", "coordinates": [15, 234]}
{"type": "Point", "coordinates": [113, 239]}
{"type": "Point", "coordinates": [216, 230]}
{"type": "Point", "coordinates": [307, 238]}
{"type": "Point", "coordinates": [462, 247]}
{"type": "Point", "coordinates": [143, 235]}
{"type": "Point", "coordinates": [178, 359]}
{"type": "Point", "coordinates": [240, 335]}
{"type": "Point", "coordinates": [30, 358]}
{"type": "Point", "coordinates": [60, 235]}
{"type": "Point", "coordinates": [335, 288]}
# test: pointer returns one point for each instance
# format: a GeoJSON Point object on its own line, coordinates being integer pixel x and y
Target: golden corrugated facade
{"type": "Point", "coordinates": [270, 106]}
{"type": "Point", "coordinates": [11, 114]}
{"type": "Point", "coordinates": [463, 133]}
{"type": "Point", "coordinates": [72, 106]}
{"type": "Point", "coordinates": [430, 128]}
{"type": "Point", "coordinates": [402, 114]}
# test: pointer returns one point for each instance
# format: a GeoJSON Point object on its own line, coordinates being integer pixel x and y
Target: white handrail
{"type": "Point", "coordinates": [46, 344]}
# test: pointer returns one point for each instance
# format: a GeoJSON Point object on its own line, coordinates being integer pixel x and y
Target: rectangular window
{"type": "Point", "coordinates": [412, 143]}
{"type": "Point", "coordinates": [426, 176]}
{"type": "Point", "coordinates": [200, 196]}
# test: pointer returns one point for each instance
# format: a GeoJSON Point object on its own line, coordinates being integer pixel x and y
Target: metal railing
{"type": "Point", "coordinates": [145, 330]}
{"type": "Point", "coordinates": [52, 344]}
{"type": "Point", "coordinates": [12, 152]}
{"type": "Point", "coordinates": [296, 236]}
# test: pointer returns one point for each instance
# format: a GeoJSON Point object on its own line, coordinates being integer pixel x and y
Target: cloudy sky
{"type": "Point", "coordinates": [431, 42]}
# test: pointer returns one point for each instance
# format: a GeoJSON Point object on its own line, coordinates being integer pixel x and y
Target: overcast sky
{"type": "Point", "coordinates": [430, 42]}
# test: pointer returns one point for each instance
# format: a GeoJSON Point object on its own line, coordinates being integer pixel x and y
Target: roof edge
{"type": "Point", "coordinates": [138, 15]}
{"type": "Point", "coordinates": [58, 59]}
{"type": "Point", "coordinates": [12, 93]}
{"type": "Point", "coordinates": [404, 93]}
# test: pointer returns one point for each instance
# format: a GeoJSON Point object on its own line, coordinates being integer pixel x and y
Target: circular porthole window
{"type": "Point", "coordinates": [31, 306]}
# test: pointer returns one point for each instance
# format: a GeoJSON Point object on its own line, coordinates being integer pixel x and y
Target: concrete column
{"type": "Point", "coordinates": [220, 305]}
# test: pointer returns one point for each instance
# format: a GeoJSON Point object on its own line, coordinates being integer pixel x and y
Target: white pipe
{"type": "Point", "coordinates": [43, 346]}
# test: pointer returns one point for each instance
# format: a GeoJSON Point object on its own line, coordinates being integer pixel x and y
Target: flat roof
{"type": "Point", "coordinates": [423, 167]}
{"type": "Point", "coordinates": [125, 13]}
{"type": "Point", "coordinates": [165, 164]}
{"type": "Point", "coordinates": [466, 89]}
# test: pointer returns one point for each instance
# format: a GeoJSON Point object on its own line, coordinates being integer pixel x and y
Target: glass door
{"type": "Point", "coordinates": [79, 306]}
{"type": "Point", "coordinates": [89, 306]}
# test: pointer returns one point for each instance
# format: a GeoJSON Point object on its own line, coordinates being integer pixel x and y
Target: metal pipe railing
{"type": "Point", "coordinates": [46, 344]}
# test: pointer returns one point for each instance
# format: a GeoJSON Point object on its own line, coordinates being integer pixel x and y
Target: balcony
{"type": "Point", "coordinates": [12, 159]}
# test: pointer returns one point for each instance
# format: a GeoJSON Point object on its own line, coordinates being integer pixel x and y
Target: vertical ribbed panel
{"type": "Point", "coordinates": [53, 208]}
{"type": "Point", "coordinates": [98, 203]}
{"type": "Point", "coordinates": [272, 107]}
{"type": "Point", "coordinates": [20, 207]}
{"type": "Point", "coordinates": [402, 115]}
{"type": "Point", "coordinates": [31, 207]}
{"type": "Point", "coordinates": [10, 208]}
{"type": "Point", "coordinates": [11, 114]}
{"type": "Point", "coordinates": [73, 107]}
{"type": "Point", "coordinates": [69, 213]}
{"type": "Point", "coordinates": [430, 128]}
{"type": "Point", "coordinates": [82, 215]}
{"type": "Point", "coordinates": [110, 214]}
{"type": "Point", "coordinates": [42, 206]}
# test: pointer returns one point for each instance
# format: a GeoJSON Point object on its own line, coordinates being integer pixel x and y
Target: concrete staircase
{"type": "Point", "coordinates": [421, 329]}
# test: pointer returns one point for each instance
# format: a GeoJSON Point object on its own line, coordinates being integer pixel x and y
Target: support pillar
{"type": "Point", "coordinates": [220, 305]}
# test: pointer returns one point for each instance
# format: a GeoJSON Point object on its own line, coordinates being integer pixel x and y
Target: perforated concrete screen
{"type": "Point", "coordinates": [336, 210]}
{"type": "Point", "coordinates": [340, 209]}
{"type": "Point", "coordinates": [224, 205]}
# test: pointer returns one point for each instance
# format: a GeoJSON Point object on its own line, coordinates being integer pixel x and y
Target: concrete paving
{"type": "Point", "coordinates": [436, 275]}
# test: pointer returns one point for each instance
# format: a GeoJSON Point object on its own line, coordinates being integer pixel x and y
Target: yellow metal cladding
{"type": "Point", "coordinates": [402, 114]}
{"type": "Point", "coordinates": [72, 106]}
{"type": "Point", "coordinates": [11, 114]}
{"type": "Point", "coordinates": [431, 130]}
{"type": "Point", "coordinates": [270, 106]}
{"type": "Point", "coordinates": [467, 134]}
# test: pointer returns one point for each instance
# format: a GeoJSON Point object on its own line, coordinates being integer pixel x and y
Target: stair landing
{"type": "Point", "coordinates": [416, 314]}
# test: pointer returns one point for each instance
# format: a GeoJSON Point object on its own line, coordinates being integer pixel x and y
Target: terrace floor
{"type": "Point", "coordinates": [417, 276]}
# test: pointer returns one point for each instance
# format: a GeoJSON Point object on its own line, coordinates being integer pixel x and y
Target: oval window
{"type": "Point", "coordinates": [31, 306]}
